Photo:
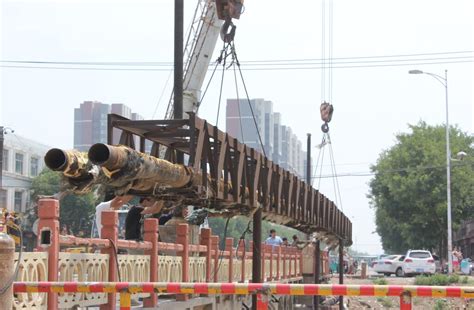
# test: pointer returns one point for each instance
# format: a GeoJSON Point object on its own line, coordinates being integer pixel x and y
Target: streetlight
{"type": "Point", "coordinates": [444, 82]}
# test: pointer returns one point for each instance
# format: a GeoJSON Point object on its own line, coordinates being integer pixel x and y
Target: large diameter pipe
{"type": "Point", "coordinates": [70, 163]}
{"type": "Point", "coordinates": [78, 172]}
{"type": "Point", "coordinates": [124, 167]}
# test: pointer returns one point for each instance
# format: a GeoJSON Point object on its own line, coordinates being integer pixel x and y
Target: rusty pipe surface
{"type": "Point", "coordinates": [77, 171]}
{"type": "Point", "coordinates": [126, 169]}
{"type": "Point", "coordinates": [71, 163]}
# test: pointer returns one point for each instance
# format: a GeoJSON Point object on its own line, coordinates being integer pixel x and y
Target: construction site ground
{"type": "Point", "coordinates": [363, 302]}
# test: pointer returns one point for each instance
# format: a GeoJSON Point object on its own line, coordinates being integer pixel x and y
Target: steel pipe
{"type": "Point", "coordinates": [79, 174]}
{"type": "Point", "coordinates": [124, 169]}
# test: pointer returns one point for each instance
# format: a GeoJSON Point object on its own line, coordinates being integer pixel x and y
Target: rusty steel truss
{"type": "Point", "coordinates": [236, 174]}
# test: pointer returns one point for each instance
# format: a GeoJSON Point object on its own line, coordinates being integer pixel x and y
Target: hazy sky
{"type": "Point", "coordinates": [371, 104]}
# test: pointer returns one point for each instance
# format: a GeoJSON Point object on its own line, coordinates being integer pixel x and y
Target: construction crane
{"type": "Point", "coordinates": [210, 19]}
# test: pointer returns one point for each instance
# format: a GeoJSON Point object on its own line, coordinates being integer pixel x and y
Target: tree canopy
{"type": "Point", "coordinates": [75, 211]}
{"type": "Point", "coordinates": [408, 191]}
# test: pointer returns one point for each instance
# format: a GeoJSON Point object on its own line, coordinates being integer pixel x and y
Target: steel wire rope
{"type": "Point", "coordinates": [224, 50]}
{"type": "Point", "coordinates": [330, 75]}
{"type": "Point", "coordinates": [207, 86]}
{"type": "Point", "coordinates": [322, 160]}
{"type": "Point", "coordinates": [238, 104]}
{"type": "Point", "coordinates": [333, 166]}
{"type": "Point", "coordinates": [336, 196]}
{"type": "Point", "coordinates": [316, 165]}
{"type": "Point", "coordinates": [323, 50]}
{"type": "Point", "coordinates": [248, 100]}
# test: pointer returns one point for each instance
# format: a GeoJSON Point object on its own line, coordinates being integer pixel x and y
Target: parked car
{"type": "Point", "coordinates": [391, 264]}
{"type": "Point", "coordinates": [418, 262]}
{"type": "Point", "coordinates": [374, 262]}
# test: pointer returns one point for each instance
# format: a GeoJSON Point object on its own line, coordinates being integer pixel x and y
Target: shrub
{"type": "Point", "coordinates": [454, 278]}
{"type": "Point", "coordinates": [464, 280]}
{"type": "Point", "coordinates": [386, 302]}
{"type": "Point", "coordinates": [440, 304]}
{"type": "Point", "coordinates": [380, 281]}
{"type": "Point", "coordinates": [437, 279]}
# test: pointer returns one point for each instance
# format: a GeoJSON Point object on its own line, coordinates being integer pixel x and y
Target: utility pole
{"type": "Point", "coordinates": [257, 254]}
{"type": "Point", "coordinates": [317, 251]}
{"type": "Point", "coordinates": [178, 66]}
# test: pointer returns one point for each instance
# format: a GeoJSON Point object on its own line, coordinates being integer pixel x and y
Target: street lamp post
{"type": "Point", "coordinates": [444, 82]}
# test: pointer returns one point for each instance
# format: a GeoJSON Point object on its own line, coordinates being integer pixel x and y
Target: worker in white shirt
{"type": "Point", "coordinates": [114, 204]}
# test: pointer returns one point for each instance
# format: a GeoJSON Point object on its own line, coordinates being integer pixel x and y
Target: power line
{"type": "Point", "coordinates": [392, 171]}
{"type": "Point", "coordinates": [264, 61]}
{"type": "Point", "coordinates": [243, 69]}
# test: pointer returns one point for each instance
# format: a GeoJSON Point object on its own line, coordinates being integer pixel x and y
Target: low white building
{"type": "Point", "coordinates": [22, 161]}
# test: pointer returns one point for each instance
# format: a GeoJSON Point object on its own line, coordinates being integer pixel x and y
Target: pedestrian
{"type": "Point", "coordinates": [285, 241]}
{"type": "Point", "coordinates": [295, 240]}
{"type": "Point", "coordinates": [113, 204]}
{"type": "Point", "coordinates": [64, 230]}
{"type": "Point", "coordinates": [133, 220]}
{"type": "Point", "coordinates": [274, 239]}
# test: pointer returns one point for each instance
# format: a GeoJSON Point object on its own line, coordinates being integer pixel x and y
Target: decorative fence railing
{"type": "Point", "coordinates": [404, 292]}
{"type": "Point", "coordinates": [158, 261]}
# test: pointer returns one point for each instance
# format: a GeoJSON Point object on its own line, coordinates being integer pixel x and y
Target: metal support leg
{"type": "Point", "coordinates": [317, 262]}
{"type": "Point", "coordinates": [341, 271]}
{"type": "Point", "coordinates": [257, 250]}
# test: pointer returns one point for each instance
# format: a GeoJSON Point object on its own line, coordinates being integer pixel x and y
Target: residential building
{"type": "Point", "coordinates": [90, 123]}
{"type": "Point", "coordinates": [277, 137]}
{"type": "Point", "coordinates": [241, 125]}
{"type": "Point", "coordinates": [22, 161]}
{"type": "Point", "coordinates": [281, 144]}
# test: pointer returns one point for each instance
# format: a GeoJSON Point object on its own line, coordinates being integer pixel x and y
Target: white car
{"type": "Point", "coordinates": [391, 264]}
{"type": "Point", "coordinates": [419, 262]}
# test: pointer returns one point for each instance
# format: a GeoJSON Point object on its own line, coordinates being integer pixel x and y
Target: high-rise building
{"type": "Point", "coordinates": [277, 137]}
{"type": "Point", "coordinates": [90, 123]}
{"type": "Point", "coordinates": [281, 144]}
{"type": "Point", "coordinates": [241, 125]}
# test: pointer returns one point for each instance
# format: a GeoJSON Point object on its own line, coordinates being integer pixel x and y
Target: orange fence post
{"type": "Point", "coordinates": [110, 231]}
{"type": "Point", "coordinates": [271, 251]}
{"type": "Point", "coordinates": [284, 251]}
{"type": "Point", "coordinates": [405, 301]}
{"type": "Point", "coordinates": [151, 235]}
{"type": "Point", "coordinates": [48, 239]}
{"type": "Point", "coordinates": [206, 240]}
{"type": "Point", "coordinates": [229, 246]}
{"type": "Point", "coordinates": [182, 233]}
{"type": "Point", "coordinates": [278, 263]}
{"type": "Point", "coordinates": [215, 247]}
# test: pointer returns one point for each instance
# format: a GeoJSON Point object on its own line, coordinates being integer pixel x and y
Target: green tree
{"type": "Point", "coordinates": [238, 225]}
{"type": "Point", "coordinates": [75, 210]}
{"type": "Point", "coordinates": [408, 191]}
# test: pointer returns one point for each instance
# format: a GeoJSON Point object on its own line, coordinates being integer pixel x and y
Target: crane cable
{"type": "Point", "coordinates": [326, 108]}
